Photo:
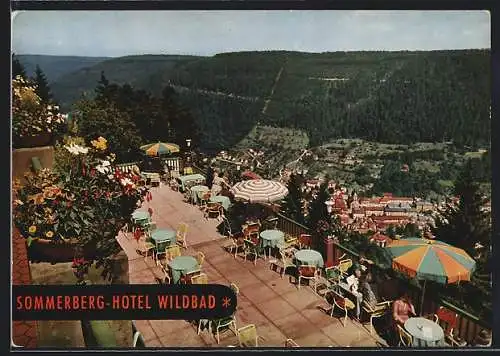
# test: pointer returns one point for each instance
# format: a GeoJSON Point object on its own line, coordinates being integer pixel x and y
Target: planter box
{"type": "Point", "coordinates": [43, 139]}
{"type": "Point", "coordinates": [43, 250]}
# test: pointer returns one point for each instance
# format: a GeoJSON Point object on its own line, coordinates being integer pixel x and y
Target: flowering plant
{"type": "Point", "coordinates": [84, 201]}
{"type": "Point", "coordinates": [31, 117]}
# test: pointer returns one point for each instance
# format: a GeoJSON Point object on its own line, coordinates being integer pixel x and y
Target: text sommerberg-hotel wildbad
{"type": "Point", "coordinates": [99, 302]}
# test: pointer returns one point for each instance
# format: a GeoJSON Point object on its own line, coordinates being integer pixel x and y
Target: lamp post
{"type": "Point", "coordinates": [188, 163]}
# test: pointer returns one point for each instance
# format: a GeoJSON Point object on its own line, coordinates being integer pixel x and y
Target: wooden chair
{"type": "Point", "coordinates": [247, 336]}
{"type": "Point", "coordinates": [201, 278]}
{"type": "Point", "coordinates": [305, 241]}
{"type": "Point", "coordinates": [181, 234]}
{"type": "Point", "coordinates": [379, 310]}
{"type": "Point", "coordinates": [200, 258]}
{"type": "Point", "coordinates": [289, 343]}
{"type": "Point", "coordinates": [405, 338]}
{"type": "Point", "coordinates": [310, 273]}
{"type": "Point", "coordinates": [341, 302]}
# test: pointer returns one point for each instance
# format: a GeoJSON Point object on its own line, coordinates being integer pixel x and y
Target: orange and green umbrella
{"type": "Point", "coordinates": [159, 148]}
{"type": "Point", "coordinates": [431, 260]}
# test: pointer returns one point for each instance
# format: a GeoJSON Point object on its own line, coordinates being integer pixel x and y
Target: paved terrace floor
{"type": "Point", "coordinates": [275, 305]}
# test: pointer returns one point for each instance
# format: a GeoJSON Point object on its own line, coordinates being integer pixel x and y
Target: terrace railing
{"type": "Point", "coordinates": [468, 325]}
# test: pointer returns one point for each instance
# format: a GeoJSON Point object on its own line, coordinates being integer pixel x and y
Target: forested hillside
{"type": "Point", "coordinates": [391, 97]}
{"type": "Point", "coordinates": [55, 67]}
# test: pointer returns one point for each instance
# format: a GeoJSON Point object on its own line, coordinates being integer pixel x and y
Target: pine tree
{"type": "Point", "coordinates": [467, 224]}
{"type": "Point", "coordinates": [42, 85]}
{"type": "Point", "coordinates": [17, 68]}
{"type": "Point", "coordinates": [318, 212]}
{"type": "Point", "coordinates": [293, 201]}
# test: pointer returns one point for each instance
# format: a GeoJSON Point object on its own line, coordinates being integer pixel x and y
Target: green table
{"type": "Point", "coordinates": [425, 332]}
{"type": "Point", "coordinates": [222, 200]}
{"type": "Point", "coordinates": [272, 239]}
{"type": "Point", "coordinates": [162, 236]}
{"type": "Point", "coordinates": [140, 217]}
{"type": "Point", "coordinates": [196, 191]}
{"type": "Point", "coordinates": [309, 257]}
{"type": "Point", "coordinates": [182, 265]}
{"type": "Point", "coordinates": [183, 180]}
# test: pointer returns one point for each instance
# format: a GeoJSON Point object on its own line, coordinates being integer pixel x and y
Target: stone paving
{"type": "Point", "coordinates": [24, 333]}
{"type": "Point", "coordinates": [275, 305]}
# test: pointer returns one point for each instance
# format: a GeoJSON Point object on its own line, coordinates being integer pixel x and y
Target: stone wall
{"type": "Point", "coordinates": [21, 159]}
{"type": "Point", "coordinates": [65, 334]}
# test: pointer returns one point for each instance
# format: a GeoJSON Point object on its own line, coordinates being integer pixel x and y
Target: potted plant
{"type": "Point", "coordinates": [74, 212]}
{"type": "Point", "coordinates": [34, 123]}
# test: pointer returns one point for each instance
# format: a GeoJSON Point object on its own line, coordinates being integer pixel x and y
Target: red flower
{"type": "Point", "coordinates": [68, 204]}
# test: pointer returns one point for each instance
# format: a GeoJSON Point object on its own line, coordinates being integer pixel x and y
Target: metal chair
{"type": "Point", "coordinates": [310, 273]}
{"type": "Point", "coordinates": [405, 338]}
{"type": "Point", "coordinates": [181, 234]}
{"type": "Point", "coordinates": [247, 336]}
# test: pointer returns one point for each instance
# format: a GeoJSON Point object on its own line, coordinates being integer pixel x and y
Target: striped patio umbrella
{"type": "Point", "coordinates": [431, 260]}
{"type": "Point", "coordinates": [159, 148]}
{"type": "Point", "coordinates": [259, 191]}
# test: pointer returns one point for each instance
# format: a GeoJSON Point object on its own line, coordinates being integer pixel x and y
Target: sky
{"type": "Point", "coordinates": [119, 33]}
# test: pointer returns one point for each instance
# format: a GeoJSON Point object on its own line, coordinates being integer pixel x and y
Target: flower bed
{"type": "Point", "coordinates": [78, 207]}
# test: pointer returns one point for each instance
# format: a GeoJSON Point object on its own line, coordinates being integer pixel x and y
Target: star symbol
{"type": "Point", "coordinates": [226, 302]}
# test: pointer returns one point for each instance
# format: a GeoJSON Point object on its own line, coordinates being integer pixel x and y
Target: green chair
{"type": "Point", "coordinates": [36, 165]}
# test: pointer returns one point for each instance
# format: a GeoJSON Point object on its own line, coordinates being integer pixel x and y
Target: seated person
{"type": "Point", "coordinates": [402, 309]}
{"type": "Point", "coordinates": [368, 290]}
{"type": "Point", "coordinates": [482, 339]}
{"type": "Point", "coordinates": [353, 280]}
{"type": "Point", "coordinates": [216, 184]}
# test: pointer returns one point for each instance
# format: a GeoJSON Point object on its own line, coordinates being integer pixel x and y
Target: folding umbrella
{"type": "Point", "coordinates": [431, 260]}
{"type": "Point", "coordinates": [259, 191]}
{"type": "Point", "coordinates": [158, 148]}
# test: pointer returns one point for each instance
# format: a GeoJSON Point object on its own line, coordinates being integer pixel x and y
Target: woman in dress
{"type": "Point", "coordinates": [402, 310]}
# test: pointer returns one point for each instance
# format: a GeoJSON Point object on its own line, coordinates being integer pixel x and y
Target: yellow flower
{"type": "Point", "coordinates": [49, 234]}
{"type": "Point", "coordinates": [32, 229]}
{"type": "Point", "coordinates": [100, 143]}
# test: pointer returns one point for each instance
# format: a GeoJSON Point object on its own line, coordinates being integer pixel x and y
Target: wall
{"type": "Point", "coordinates": [21, 159]}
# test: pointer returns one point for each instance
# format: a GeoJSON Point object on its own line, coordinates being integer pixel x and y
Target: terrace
{"type": "Point", "coordinates": [275, 305]}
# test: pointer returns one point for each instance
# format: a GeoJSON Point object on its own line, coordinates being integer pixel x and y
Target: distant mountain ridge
{"type": "Point", "coordinates": [56, 66]}
{"type": "Point", "coordinates": [391, 97]}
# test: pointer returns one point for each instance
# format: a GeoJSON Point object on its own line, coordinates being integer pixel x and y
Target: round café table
{"type": "Point", "coordinates": [308, 257]}
{"type": "Point", "coordinates": [182, 265]}
{"type": "Point", "coordinates": [222, 200]}
{"type": "Point", "coordinates": [140, 215]}
{"type": "Point", "coordinates": [425, 332]}
{"type": "Point", "coordinates": [162, 236]}
{"type": "Point", "coordinates": [196, 191]}
{"type": "Point", "coordinates": [271, 239]}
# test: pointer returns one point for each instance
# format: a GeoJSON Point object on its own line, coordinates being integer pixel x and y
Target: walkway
{"type": "Point", "coordinates": [274, 305]}
{"type": "Point", "coordinates": [24, 333]}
